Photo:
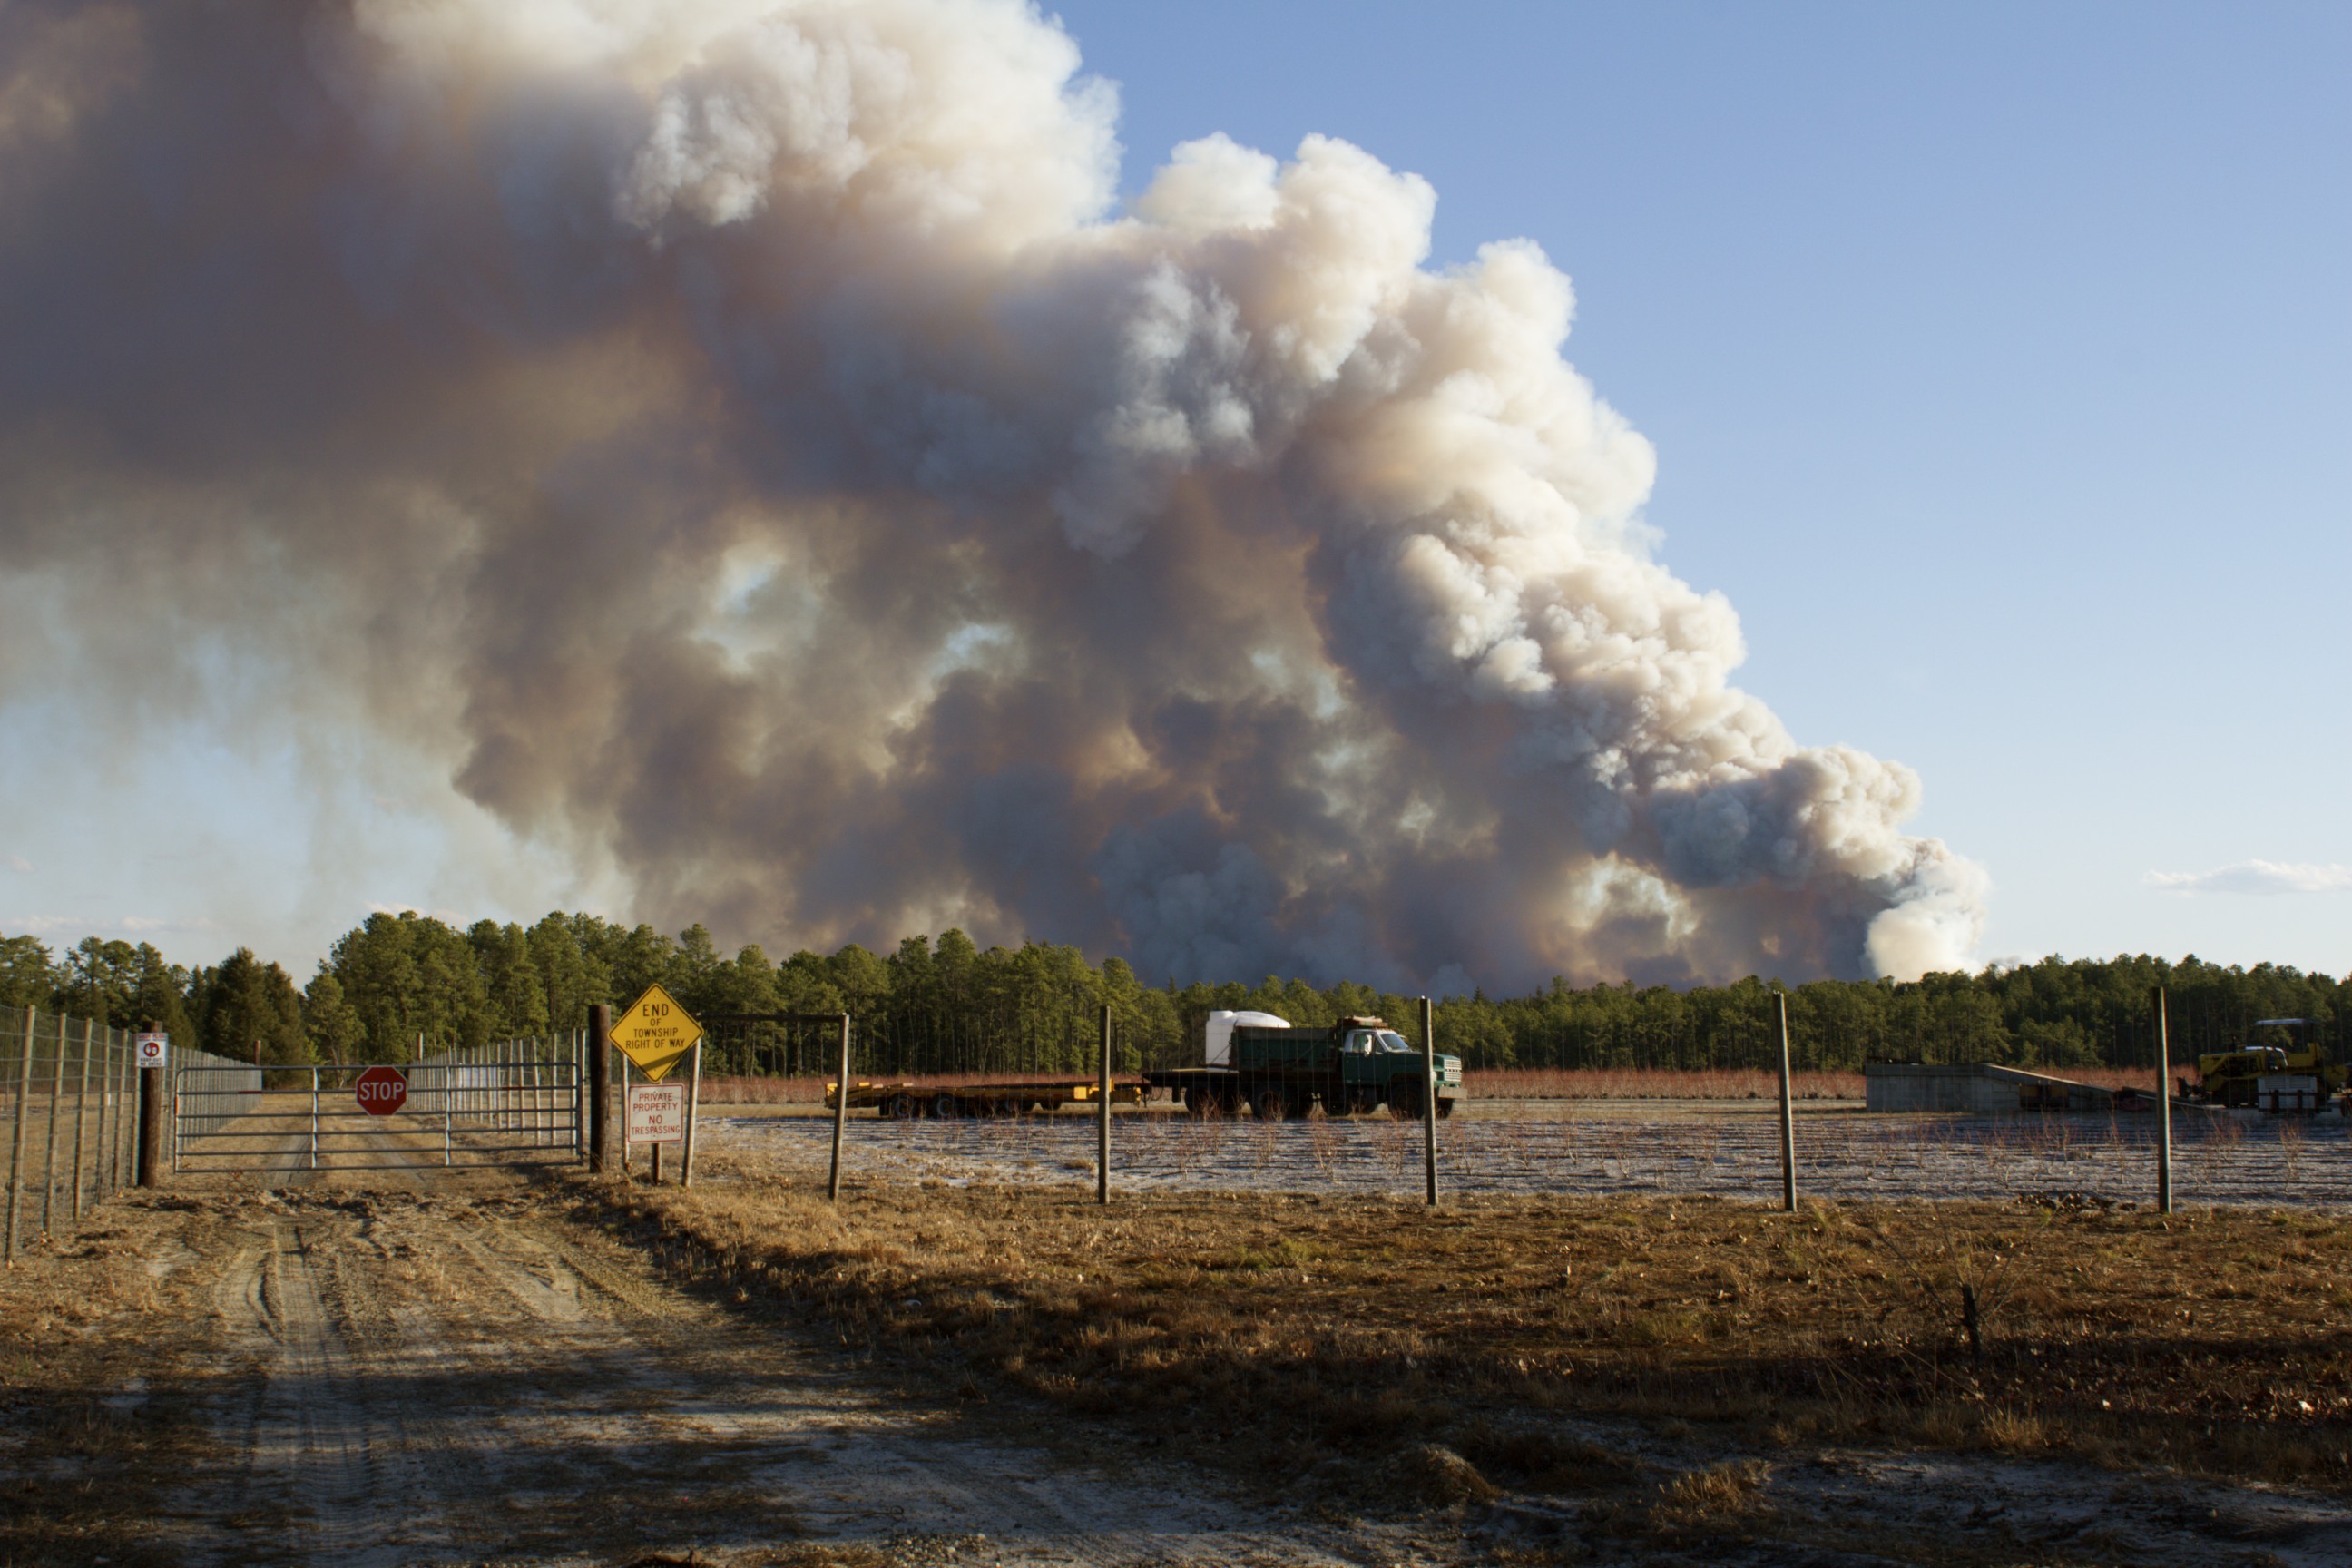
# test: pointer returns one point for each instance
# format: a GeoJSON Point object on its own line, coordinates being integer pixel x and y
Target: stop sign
{"type": "Point", "coordinates": [383, 1090]}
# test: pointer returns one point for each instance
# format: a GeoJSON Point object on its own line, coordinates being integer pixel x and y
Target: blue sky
{"type": "Point", "coordinates": [1997, 360]}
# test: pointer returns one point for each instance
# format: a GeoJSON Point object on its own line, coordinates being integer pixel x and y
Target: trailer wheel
{"type": "Point", "coordinates": [901, 1107]}
{"type": "Point", "coordinates": [946, 1107]}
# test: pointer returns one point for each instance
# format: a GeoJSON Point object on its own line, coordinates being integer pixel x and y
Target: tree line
{"type": "Point", "coordinates": [401, 984]}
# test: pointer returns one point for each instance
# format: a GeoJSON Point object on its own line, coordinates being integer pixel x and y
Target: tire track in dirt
{"type": "Point", "coordinates": [427, 1377]}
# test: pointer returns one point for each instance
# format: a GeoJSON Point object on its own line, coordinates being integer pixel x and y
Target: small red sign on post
{"type": "Point", "coordinates": [383, 1090]}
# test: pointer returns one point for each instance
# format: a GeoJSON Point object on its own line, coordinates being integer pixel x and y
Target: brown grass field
{"type": "Point", "coordinates": [1290, 1328]}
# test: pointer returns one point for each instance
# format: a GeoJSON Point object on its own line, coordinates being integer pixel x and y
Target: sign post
{"type": "Point", "coordinates": [655, 1034]}
{"type": "Point", "coordinates": [658, 1115]}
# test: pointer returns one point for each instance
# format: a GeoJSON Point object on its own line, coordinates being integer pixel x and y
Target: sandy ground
{"type": "Point", "coordinates": [374, 1367]}
{"type": "Point", "coordinates": [1725, 1149]}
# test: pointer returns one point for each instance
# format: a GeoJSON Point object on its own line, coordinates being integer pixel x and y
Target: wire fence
{"type": "Point", "coordinates": [69, 1098]}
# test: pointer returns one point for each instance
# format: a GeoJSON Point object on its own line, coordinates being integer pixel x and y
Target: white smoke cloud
{"type": "Point", "coordinates": [2257, 876]}
{"type": "Point", "coordinates": [745, 439]}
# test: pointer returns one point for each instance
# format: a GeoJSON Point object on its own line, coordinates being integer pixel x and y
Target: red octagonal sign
{"type": "Point", "coordinates": [383, 1090]}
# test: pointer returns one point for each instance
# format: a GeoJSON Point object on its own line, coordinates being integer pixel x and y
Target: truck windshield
{"type": "Point", "coordinates": [1393, 1043]}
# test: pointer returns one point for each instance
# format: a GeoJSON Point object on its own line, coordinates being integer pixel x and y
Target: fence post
{"type": "Point", "coordinates": [1428, 1097]}
{"type": "Point", "coordinates": [1787, 1112]}
{"type": "Point", "coordinates": [110, 1124]}
{"type": "Point", "coordinates": [17, 1144]}
{"type": "Point", "coordinates": [600, 1084]}
{"type": "Point", "coordinates": [81, 1116]}
{"type": "Point", "coordinates": [151, 1124]}
{"type": "Point", "coordinates": [314, 1119]}
{"type": "Point", "coordinates": [50, 1149]}
{"type": "Point", "coordinates": [1102, 1116]}
{"type": "Point", "coordinates": [840, 1116]}
{"type": "Point", "coordinates": [693, 1104]}
{"type": "Point", "coordinates": [2163, 1108]}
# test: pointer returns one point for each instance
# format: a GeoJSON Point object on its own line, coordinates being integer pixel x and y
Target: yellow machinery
{"type": "Point", "coordinates": [2287, 1071]}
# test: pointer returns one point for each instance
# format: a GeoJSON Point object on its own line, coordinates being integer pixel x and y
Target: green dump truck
{"type": "Point", "coordinates": [1358, 1065]}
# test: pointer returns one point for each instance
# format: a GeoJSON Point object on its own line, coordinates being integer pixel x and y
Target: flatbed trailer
{"type": "Point", "coordinates": [904, 1101]}
{"type": "Point", "coordinates": [1286, 1091]}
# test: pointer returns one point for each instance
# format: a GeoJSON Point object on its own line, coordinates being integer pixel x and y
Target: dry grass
{"type": "Point", "coordinates": [1269, 1328]}
{"type": "Point", "coordinates": [1491, 1083]}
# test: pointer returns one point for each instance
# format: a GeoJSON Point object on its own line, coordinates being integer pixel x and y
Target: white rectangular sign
{"type": "Point", "coordinates": [656, 1113]}
{"type": "Point", "coordinates": [152, 1049]}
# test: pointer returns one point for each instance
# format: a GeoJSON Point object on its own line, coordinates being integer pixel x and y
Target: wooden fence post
{"type": "Point", "coordinates": [1102, 1116]}
{"type": "Point", "coordinates": [1428, 1097]}
{"type": "Point", "coordinates": [1787, 1112]}
{"type": "Point", "coordinates": [840, 1116]}
{"type": "Point", "coordinates": [16, 1143]}
{"type": "Point", "coordinates": [693, 1104]}
{"type": "Point", "coordinates": [153, 1085]}
{"type": "Point", "coordinates": [2163, 1108]}
{"type": "Point", "coordinates": [600, 1085]}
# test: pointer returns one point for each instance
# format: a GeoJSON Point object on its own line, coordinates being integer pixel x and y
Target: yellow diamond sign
{"type": "Point", "coordinates": [655, 1033]}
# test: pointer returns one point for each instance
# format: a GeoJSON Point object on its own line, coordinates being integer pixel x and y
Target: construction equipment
{"type": "Point", "coordinates": [2287, 1070]}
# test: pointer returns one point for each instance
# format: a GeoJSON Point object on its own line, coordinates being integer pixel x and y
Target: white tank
{"type": "Point", "coordinates": [1219, 1039]}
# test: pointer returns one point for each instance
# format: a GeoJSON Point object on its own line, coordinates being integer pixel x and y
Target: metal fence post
{"type": "Point", "coordinates": [1787, 1112]}
{"type": "Point", "coordinates": [314, 1119]}
{"type": "Point", "coordinates": [1428, 1097]}
{"type": "Point", "coordinates": [1102, 1116]}
{"type": "Point", "coordinates": [81, 1116]}
{"type": "Point", "coordinates": [2163, 1106]}
{"type": "Point", "coordinates": [17, 1144]}
{"type": "Point", "coordinates": [840, 1116]}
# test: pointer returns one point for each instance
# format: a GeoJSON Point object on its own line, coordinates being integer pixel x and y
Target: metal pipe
{"type": "Point", "coordinates": [314, 1119]}
{"type": "Point", "coordinates": [1787, 1112]}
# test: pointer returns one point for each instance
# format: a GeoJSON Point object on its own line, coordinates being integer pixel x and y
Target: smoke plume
{"type": "Point", "coordinates": [749, 440]}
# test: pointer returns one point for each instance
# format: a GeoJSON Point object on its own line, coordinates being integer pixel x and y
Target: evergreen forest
{"type": "Point", "coordinates": [401, 983]}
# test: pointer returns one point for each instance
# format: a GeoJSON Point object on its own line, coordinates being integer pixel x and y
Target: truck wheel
{"type": "Point", "coordinates": [1404, 1104]}
{"type": "Point", "coordinates": [946, 1107]}
{"type": "Point", "coordinates": [1267, 1103]}
{"type": "Point", "coordinates": [1444, 1109]}
{"type": "Point", "coordinates": [1200, 1104]}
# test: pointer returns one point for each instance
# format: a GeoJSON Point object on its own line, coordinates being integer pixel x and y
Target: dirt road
{"type": "Point", "coordinates": [383, 1376]}
{"type": "Point", "coordinates": [472, 1370]}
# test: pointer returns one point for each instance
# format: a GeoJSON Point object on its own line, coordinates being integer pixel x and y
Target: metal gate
{"type": "Point", "coordinates": [517, 1103]}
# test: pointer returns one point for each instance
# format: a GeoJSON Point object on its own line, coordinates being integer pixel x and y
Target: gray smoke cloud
{"type": "Point", "coordinates": [748, 440]}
